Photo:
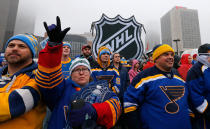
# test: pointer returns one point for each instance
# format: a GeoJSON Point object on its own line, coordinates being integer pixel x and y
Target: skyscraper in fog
{"type": "Point", "coordinates": [8, 12]}
{"type": "Point", "coordinates": [26, 17]}
{"type": "Point", "coordinates": [182, 24]}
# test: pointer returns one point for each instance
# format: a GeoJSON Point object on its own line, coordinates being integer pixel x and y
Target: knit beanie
{"type": "Point", "coordinates": [29, 40]}
{"type": "Point", "coordinates": [67, 44]}
{"type": "Point", "coordinates": [203, 49]}
{"type": "Point", "coordinates": [77, 62]}
{"type": "Point", "coordinates": [160, 49]}
{"type": "Point", "coordinates": [101, 51]}
{"type": "Point", "coordinates": [104, 51]}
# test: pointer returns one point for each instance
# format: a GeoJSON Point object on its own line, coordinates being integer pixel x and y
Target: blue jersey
{"type": "Point", "coordinates": [198, 81]}
{"type": "Point", "coordinates": [57, 92]}
{"type": "Point", "coordinates": [161, 100]}
{"type": "Point", "coordinates": [65, 68]}
{"type": "Point", "coordinates": [110, 74]}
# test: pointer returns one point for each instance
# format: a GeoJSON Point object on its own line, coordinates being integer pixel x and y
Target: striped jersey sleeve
{"type": "Point", "coordinates": [49, 73]}
{"type": "Point", "coordinates": [17, 102]}
{"type": "Point", "coordinates": [196, 85]}
{"type": "Point", "coordinates": [49, 77]}
{"type": "Point", "coordinates": [108, 112]}
{"type": "Point", "coordinates": [131, 97]}
{"type": "Point", "coordinates": [116, 81]}
{"type": "Point", "coordinates": [136, 91]}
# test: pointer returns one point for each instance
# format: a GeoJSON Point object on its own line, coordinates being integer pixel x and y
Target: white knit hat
{"type": "Point", "coordinates": [79, 61]}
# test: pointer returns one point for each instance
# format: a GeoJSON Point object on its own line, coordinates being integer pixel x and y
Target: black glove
{"type": "Point", "coordinates": [80, 112]}
{"type": "Point", "coordinates": [132, 119]}
{"type": "Point", "coordinates": [55, 33]}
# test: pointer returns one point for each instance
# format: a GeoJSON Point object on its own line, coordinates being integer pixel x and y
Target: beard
{"type": "Point", "coordinates": [19, 60]}
{"type": "Point", "coordinates": [87, 54]}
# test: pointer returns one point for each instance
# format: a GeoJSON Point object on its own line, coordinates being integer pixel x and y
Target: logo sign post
{"type": "Point", "coordinates": [119, 35]}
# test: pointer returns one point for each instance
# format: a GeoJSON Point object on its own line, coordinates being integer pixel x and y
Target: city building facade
{"type": "Point", "coordinates": [8, 13]}
{"type": "Point", "coordinates": [180, 29]}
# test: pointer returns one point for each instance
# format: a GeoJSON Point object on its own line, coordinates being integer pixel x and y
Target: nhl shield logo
{"type": "Point", "coordinates": [119, 35]}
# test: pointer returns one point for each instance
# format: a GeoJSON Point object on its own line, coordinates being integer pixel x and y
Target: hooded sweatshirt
{"type": "Point", "coordinates": [132, 73]}
{"type": "Point", "coordinates": [185, 66]}
{"type": "Point", "coordinates": [148, 65]}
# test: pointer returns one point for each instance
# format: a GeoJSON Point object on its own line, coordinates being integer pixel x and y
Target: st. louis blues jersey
{"type": "Point", "coordinates": [110, 74]}
{"type": "Point", "coordinates": [20, 105]}
{"type": "Point", "coordinates": [198, 81]}
{"type": "Point", "coordinates": [65, 67]}
{"type": "Point", "coordinates": [57, 91]}
{"type": "Point", "coordinates": [161, 99]}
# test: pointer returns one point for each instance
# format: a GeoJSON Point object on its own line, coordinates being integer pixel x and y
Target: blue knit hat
{"type": "Point", "coordinates": [29, 40]}
{"type": "Point", "coordinates": [104, 51]}
{"type": "Point", "coordinates": [67, 44]}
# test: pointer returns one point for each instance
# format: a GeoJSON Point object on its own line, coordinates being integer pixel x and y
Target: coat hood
{"type": "Point", "coordinates": [102, 49]}
{"type": "Point", "coordinates": [134, 62]}
{"type": "Point", "coordinates": [184, 59]}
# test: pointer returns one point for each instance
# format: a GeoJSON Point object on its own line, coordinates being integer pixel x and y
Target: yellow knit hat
{"type": "Point", "coordinates": [160, 50]}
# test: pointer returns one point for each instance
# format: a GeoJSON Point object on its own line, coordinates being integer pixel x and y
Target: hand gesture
{"type": "Point", "coordinates": [54, 32]}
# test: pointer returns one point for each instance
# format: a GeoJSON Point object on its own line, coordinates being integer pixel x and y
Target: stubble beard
{"type": "Point", "coordinates": [18, 62]}
{"type": "Point", "coordinates": [87, 55]}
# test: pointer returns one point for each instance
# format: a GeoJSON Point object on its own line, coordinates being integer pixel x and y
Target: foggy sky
{"type": "Point", "coordinates": [79, 14]}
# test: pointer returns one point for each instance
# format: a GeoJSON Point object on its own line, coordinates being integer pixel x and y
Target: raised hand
{"type": "Point", "coordinates": [54, 32]}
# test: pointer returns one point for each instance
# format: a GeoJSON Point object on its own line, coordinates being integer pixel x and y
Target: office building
{"type": "Point", "coordinates": [8, 13]}
{"type": "Point", "coordinates": [180, 29]}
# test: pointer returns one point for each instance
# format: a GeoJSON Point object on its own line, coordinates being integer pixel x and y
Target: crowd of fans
{"type": "Point", "coordinates": [160, 91]}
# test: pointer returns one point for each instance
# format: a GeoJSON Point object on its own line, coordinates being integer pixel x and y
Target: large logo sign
{"type": "Point", "coordinates": [119, 35]}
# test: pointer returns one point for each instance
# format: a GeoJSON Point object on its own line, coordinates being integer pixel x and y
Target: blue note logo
{"type": "Point", "coordinates": [173, 93]}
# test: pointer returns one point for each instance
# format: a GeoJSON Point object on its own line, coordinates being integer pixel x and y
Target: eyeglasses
{"type": "Point", "coordinates": [84, 70]}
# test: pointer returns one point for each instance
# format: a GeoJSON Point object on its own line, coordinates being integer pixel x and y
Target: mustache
{"type": "Point", "coordinates": [170, 60]}
{"type": "Point", "coordinates": [13, 53]}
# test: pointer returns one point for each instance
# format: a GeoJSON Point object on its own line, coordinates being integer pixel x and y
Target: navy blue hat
{"type": "Point", "coordinates": [204, 48]}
